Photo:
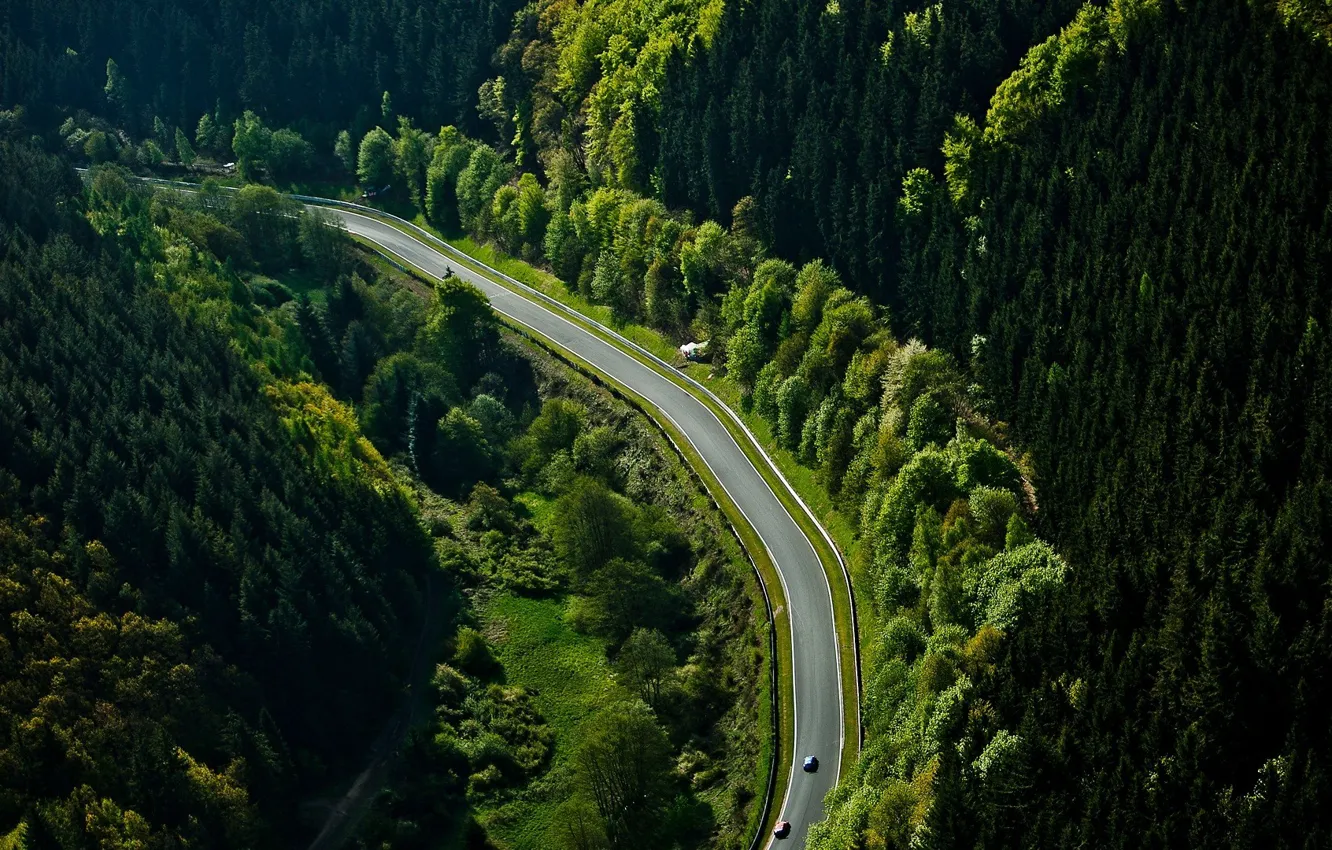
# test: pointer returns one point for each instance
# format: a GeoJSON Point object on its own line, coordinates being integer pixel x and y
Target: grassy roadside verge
{"type": "Point", "coordinates": [477, 257]}
{"type": "Point", "coordinates": [768, 770]}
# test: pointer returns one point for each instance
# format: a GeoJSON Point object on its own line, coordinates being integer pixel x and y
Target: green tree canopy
{"type": "Point", "coordinates": [592, 526]}
{"type": "Point", "coordinates": [252, 143]}
{"type": "Point", "coordinates": [184, 151]}
{"type": "Point", "coordinates": [623, 769]}
{"type": "Point", "coordinates": [375, 161]}
{"type": "Point", "coordinates": [344, 151]}
{"type": "Point", "coordinates": [645, 662]}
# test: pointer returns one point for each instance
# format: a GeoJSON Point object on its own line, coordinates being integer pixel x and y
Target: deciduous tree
{"type": "Point", "coordinates": [622, 766]}
{"type": "Point", "coordinates": [375, 161]}
{"type": "Point", "coordinates": [645, 662]}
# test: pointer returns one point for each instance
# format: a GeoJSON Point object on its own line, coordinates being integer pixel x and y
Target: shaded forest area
{"type": "Point", "coordinates": [200, 622]}
{"type": "Point", "coordinates": [1147, 258]}
{"type": "Point", "coordinates": [321, 67]}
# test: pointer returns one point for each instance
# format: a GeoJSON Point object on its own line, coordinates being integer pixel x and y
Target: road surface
{"type": "Point", "coordinates": [817, 681]}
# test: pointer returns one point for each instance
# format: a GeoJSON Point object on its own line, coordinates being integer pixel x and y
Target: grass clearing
{"type": "Point", "coordinates": [300, 282]}
{"type": "Point", "coordinates": [538, 508]}
{"type": "Point", "coordinates": [569, 679]}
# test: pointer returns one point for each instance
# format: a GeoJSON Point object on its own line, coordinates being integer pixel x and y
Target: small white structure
{"type": "Point", "coordinates": [694, 351]}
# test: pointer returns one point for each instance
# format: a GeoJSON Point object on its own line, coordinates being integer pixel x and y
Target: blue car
{"type": "Point", "coordinates": [811, 764]}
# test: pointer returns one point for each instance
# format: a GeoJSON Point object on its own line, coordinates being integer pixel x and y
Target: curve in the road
{"type": "Point", "coordinates": [816, 669]}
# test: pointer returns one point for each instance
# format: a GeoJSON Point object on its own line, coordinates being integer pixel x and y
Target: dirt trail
{"type": "Point", "coordinates": [347, 813]}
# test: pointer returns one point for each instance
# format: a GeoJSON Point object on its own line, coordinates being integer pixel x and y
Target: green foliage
{"type": "Point", "coordinates": [623, 770]}
{"type": "Point", "coordinates": [270, 223]}
{"type": "Point", "coordinates": [98, 147]}
{"type": "Point", "coordinates": [1017, 581]}
{"type": "Point", "coordinates": [745, 356]}
{"type": "Point", "coordinates": [207, 135]}
{"type": "Point", "coordinates": [644, 664]}
{"type": "Point", "coordinates": [290, 156]}
{"type": "Point", "coordinates": [161, 134]}
{"type": "Point", "coordinates": [451, 155]}
{"type": "Point", "coordinates": [460, 332]}
{"type": "Point", "coordinates": [16, 838]}
{"type": "Point", "coordinates": [324, 243]}
{"type": "Point", "coordinates": [497, 423]}
{"type": "Point", "coordinates": [930, 423]}
{"type": "Point", "coordinates": [462, 454]}
{"type": "Point", "coordinates": [815, 283]}
{"type": "Point", "coordinates": [328, 435]}
{"type": "Point", "coordinates": [847, 324]}
{"type": "Point", "coordinates": [412, 153]}
{"type": "Point", "coordinates": [253, 146]}
{"type": "Point", "coordinates": [285, 61]}
{"type": "Point", "coordinates": [620, 596]}
{"type": "Point", "coordinates": [116, 90]}
{"type": "Point", "coordinates": [477, 184]}
{"type": "Point", "coordinates": [1051, 74]}
{"type": "Point", "coordinates": [792, 408]}
{"type": "Point", "coordinates": [344, 151]}
{"type": "Point", "coordinates": [504, 218]}
{"type": "Point", "coordinates": [552, 431]}
{"type": "Point", "coordinates": [706, 261]}
{"type": "Point", "coordinates": [1017, 534]}
{"type": "Point", "coordinates": [533, 214]}
{"type": "Point", "coordinates": [595, 453]}
{"type": "Point", "coordinates": [375, 161]}
{"type": "Point", "coordinates": [400, 398]}
{"type": "Point", "coordinates": [919, 188]}
{"type": "Point", "coordinates": [184, 151]}
{"type": "Point", "coordinates": [184, 645]}
{"type": "Point", "coordinates": [980, 464]}
{"type": "Point", "coordinates": [994, 512]}
{"type": "Point", "coordinates": [150, 154]}
{"type": "Point", "coordinates": [592, 526]}
{"type": "Point", "coordinates": [1309, 17]}
{"type": "Point", "coordinates": [471, 653]}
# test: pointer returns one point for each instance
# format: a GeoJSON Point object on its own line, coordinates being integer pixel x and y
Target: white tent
{"type": "Point", "coordinates": [694, 350]}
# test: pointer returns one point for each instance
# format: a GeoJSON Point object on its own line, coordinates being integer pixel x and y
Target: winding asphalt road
{"type": "Point", "coordinates": [818, 694]}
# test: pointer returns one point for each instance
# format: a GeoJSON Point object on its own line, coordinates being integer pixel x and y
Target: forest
{"type": "Point", "coordinates": [212, 584]}
{"type": "Point", "coordinates": [1038, 291]}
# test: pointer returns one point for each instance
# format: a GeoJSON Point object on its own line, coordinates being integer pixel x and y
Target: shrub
{"type": "Point", "coordinates": [472, 653]}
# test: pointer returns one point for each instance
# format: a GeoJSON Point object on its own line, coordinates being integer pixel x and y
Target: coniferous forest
{"type": "Point", "coordinates": [1038, 292]}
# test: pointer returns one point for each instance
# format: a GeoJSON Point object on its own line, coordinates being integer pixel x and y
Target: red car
{"type": "Point", "coordinates": [782, 829]}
